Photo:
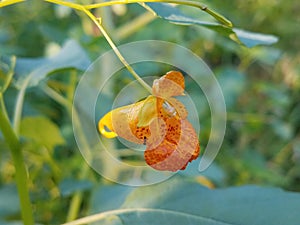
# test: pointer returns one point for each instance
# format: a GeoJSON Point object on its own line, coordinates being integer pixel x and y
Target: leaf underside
{"type": "Point", "coordinates": [174, 15]}
{"type": "Point", "coordinates": [184, 202]}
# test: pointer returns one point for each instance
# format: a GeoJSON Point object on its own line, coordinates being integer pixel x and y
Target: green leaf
{"type": "Point", "coordinates": [9, 203]}
{"type": "Point", "coordinates": [232, 83]}
{"type": "Point", "coordinates": [112, 195]}
{"type": "Point", "coordinates": [213, 172]}
{"type": "Point", "coordinates": [69, 186]}
{"type": "Point", "coordinates": [70, 56]}
{"type": "Point", "coordinates": [184, 202]}
{"type": "Point", "coordinates": [251, 39]}
{"type": "Point", "coordinates": [174, 15]}
{"type": "Point", "coordinates": [11, 222]}
{"type": "Point", "coordinates": [41, 130]}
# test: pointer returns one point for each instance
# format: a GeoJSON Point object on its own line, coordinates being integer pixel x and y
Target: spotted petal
{"type": "Point", "coordinates": [176, 150]}
{"type": "Point", "coordinates": [171, 84]}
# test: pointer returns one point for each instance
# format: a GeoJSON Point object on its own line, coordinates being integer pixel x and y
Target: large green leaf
{"type": "Point", "coordinates": [35, 70]}
{"type": "Point", "coordinates": [174, 15]}
{"type": "Point", "coordinates": [185, 202]}
{"type": "Point", "coordinates": [9, 202]}
{"type": "Point", "coordinates": [232, 83]}
{"type": "Point", "coordinates": [69, 186]}
{"type": "Point", "coordinates": [41, 130]}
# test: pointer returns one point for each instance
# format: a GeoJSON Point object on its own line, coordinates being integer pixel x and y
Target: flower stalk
{"type": "Point", "coordinates": [86, 9]}
{"type": "Point", "coordinates": [18, 160]}
{"type": "Point", "coordinates": [15, 147]}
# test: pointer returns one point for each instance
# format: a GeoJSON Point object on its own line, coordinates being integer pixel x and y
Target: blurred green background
{"type": "Point", "coordinates": [261, 87]}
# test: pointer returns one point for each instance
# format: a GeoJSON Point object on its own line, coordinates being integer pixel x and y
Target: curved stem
{"type": "Point", "coordinates": [6, 83]}
{"type": "Point", "coordinates": [68, 4]}
{"type": "Point", "coordinates": [116, 50]}
{"type": "Point", "coordinates": [198, 5]}
{"type": "Point", "coordinates": [133, 25]}
{"type": "Point", "coordinates": [78, 196]}
{"type": "Point", "coordinates": [19, 106]}
{"type": "Point", "coordinates": [86, 9]}
{"type": "Point", "coordinates": [97, 21]}
{"type": "Point", "coordinates": [10, 2]}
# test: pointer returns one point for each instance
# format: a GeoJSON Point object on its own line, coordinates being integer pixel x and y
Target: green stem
{"type": "Point", "coordinates": [6, 84]}
{"type": "Point", "coordinates": [19, 106]}
{"type": "Point", "coordinates": [9, 2]}
{"type": "Point", "coordinates": [198, 5]}
{"type": "Point", "coordinates": [9, 74]}
{"type": "Point", "coordinates": [116, 50]}
{"type": "Point", "coordinates": [68, 4]}
{"type": "Point", "coordinates": [78, 196]}
{"type": "Point", "coordinates": [97, 21]}
{"type": "Point", "coordinates": [133, 25]}
{"type": "Point", "coordinates": [2, 106]}
{"type": "Point", "coordinates": [21, 174]}
{"type": "Point", "coordinates": [195, 4]}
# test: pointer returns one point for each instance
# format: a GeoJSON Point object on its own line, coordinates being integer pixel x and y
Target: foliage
{"type": "Point", "coordinates": [42, 58]}
{"type": "Point", "coordinates": [178, 202]}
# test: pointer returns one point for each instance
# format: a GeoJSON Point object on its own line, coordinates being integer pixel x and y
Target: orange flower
{"type": "Point", "coordinates": [160, 122]}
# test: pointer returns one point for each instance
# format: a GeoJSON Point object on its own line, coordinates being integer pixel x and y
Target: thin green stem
{"type": "Point", "coordinates": [58, 98]}
{"type": "Point", "coordinates": [10, 2]}
{"type": "Point", "coordinates": [78, 196]}
{"type": "Point", "coordinates": [198, 5]}
{"type": "Point", "coordinates": [86, 9]}
{"type": "Point", "coordinates": [14, 145]}
{"type": "Point", "coordinates": [19, 106]}
{"type": "Point", "coordinates": [74, 206]}
{"type": "Point", "coordinates": [68, 4]}
{"type": "Point", "coordinates": [9, 74]}
{"type": "Point", "coordinates": [21, 174]}
{"type": "Point", "coordinates": [97, 21]}
{"type": "Point", "coordinates": [6, 83]}
{"type": "Point", "coordinates": [2, 105]}
{"type": "Point", "coordinates": [133, 25]}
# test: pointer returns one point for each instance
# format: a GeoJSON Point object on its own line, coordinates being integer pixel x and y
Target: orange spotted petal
{"type": "Point", "coordinates": [160, 122]}
{"type": "Point", "coordinates": [171, 84]}
{"type": "Point", "coordinates": [173, 156]}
